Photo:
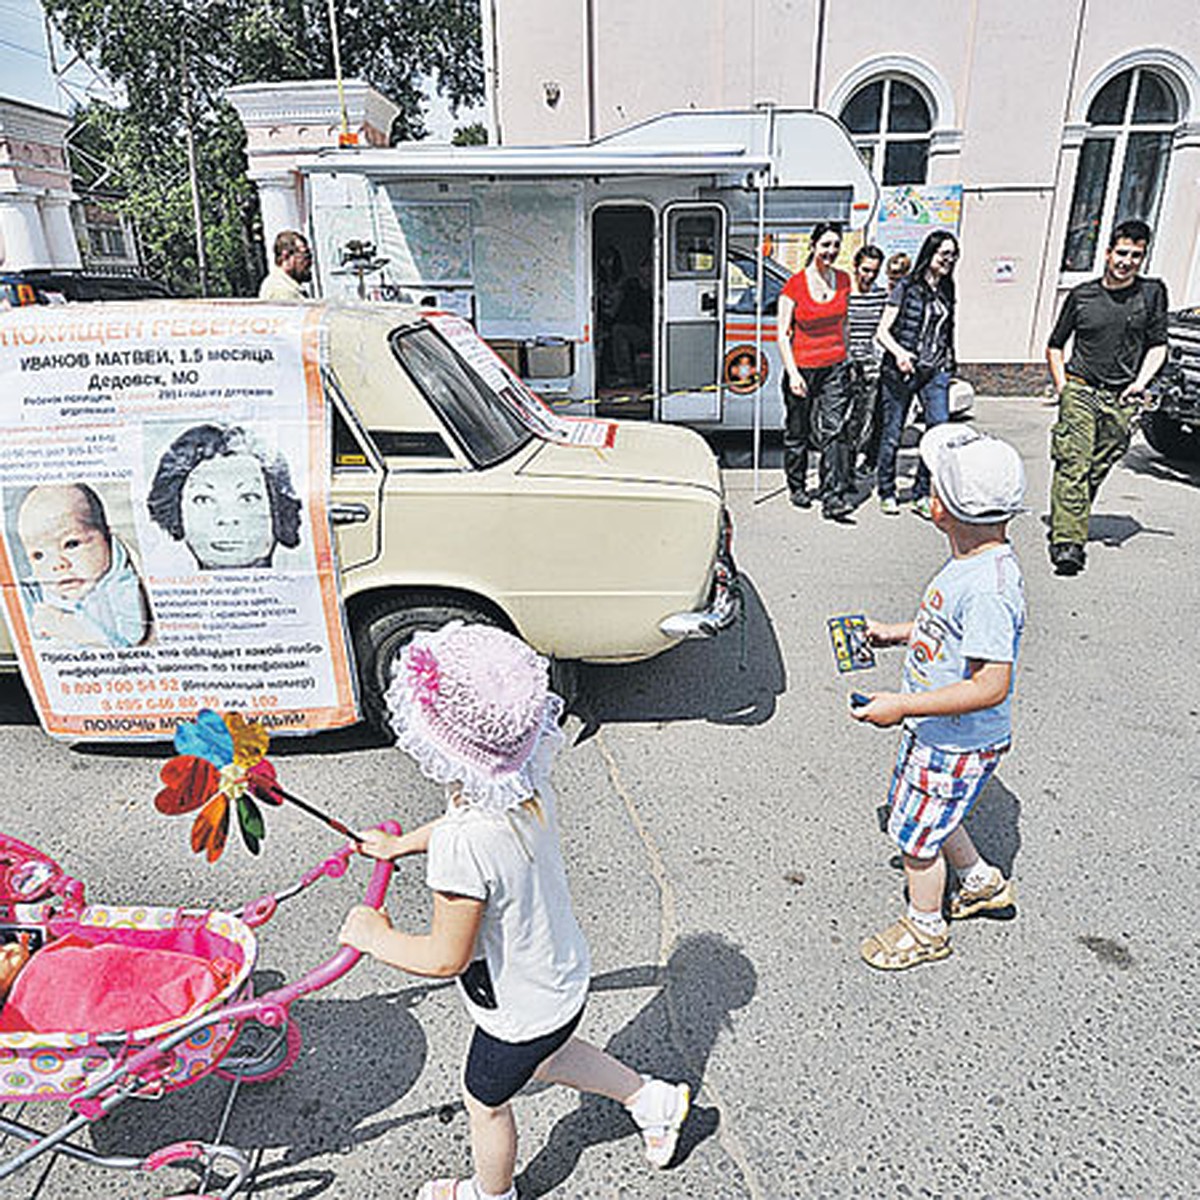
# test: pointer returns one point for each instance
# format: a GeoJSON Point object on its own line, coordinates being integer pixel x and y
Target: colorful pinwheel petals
{"type": "Point", "coordinates": [220, 762]}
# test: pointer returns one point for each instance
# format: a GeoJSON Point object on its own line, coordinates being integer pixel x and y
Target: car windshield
{"type": "Point", "coordinates": [742, 284]}
{"type": "Point", "coordinates": [489, 427]}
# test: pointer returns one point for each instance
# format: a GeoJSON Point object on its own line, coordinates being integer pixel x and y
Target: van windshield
{"type": "Point", "coordinates": [489, 427]}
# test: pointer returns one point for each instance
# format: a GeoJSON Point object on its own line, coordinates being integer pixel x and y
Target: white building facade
{"type": "Point", "coordinates": [35, 189]}
{"type": "Point", "coordinates": [1059, 118]}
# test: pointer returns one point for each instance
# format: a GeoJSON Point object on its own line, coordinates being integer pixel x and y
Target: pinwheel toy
{"type": "Point", "coordinates": [221, 764]}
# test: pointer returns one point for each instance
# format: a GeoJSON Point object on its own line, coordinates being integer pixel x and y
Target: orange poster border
{"type": "Point", "coordinates": [344, 710]}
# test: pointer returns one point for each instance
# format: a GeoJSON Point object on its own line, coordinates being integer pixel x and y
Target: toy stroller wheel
{"type": "Point", "coordinates": [260, 1054]}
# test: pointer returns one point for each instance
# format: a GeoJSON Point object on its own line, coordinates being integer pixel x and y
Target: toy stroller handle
{"type": "Point", "coordinates": [337, 966]}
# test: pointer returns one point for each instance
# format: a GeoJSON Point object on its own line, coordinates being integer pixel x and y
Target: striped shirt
{"type": "Point", "coordinates": [862, 319]}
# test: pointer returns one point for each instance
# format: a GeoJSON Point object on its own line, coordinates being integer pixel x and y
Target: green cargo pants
{"type": "Point", "coordinates": [1087, 441]}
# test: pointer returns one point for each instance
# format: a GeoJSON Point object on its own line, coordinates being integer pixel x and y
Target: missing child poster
{"type": "Point", "coordinates": [164, 541]}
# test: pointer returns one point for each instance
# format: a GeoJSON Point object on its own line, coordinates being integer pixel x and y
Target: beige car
{"type": "Point", "coordinates": [446, 504]}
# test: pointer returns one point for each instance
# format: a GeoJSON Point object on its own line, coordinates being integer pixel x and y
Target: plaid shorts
{"type": "Point", "coordinates": [933, 791]}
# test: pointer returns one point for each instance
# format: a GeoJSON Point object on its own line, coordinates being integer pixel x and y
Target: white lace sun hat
{"type": "Point", "coordinates": [472, 705]}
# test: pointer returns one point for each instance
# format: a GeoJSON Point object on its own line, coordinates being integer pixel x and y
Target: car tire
{"type": "Point", "coordinates": [384, 628]}
{"type": "Point", "coordinates": [1168, 436]}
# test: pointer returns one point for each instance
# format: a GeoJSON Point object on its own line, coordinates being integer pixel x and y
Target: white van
{"type": "Point", "coordinates": [619, 276]}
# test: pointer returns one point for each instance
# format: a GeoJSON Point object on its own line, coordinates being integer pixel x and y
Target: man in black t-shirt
{"type": "Point", "coordinates": [1119, 326]}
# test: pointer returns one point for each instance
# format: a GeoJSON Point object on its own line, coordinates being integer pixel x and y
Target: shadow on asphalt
{"type": "Point", "coordinates": [733, 679]}
{"type": "Point", "coordinates": [1141, 459]}
{"type": "Point", "coordinates": [15, 706]}
{"type": "Point", "coordinates": [995, 825]}
{"type": "Point", "coordinates": [1114, 529]}
{"type": "Point", "coordinates": [705, 980]}
{"type": "Point", "coordinates": [359, 1058]}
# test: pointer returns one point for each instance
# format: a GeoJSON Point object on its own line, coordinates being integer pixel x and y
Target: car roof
{"type": "Point", "coordinates": [80, 285]}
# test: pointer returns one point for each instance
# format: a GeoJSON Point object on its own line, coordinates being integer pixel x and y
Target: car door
{"type": "Point", "coordinates": [356, 487]}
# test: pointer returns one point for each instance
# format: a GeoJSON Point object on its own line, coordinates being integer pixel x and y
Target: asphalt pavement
{"type": "Point", "coordinates": [720, 813]}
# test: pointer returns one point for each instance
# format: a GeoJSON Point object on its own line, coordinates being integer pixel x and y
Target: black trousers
{"type": "Point", "coordinates": [820, 420]}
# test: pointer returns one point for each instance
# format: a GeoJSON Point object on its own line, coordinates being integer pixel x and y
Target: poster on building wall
{"type": "Point", "coordinates": [164, 538]}
{"type": "Point", "coordinates": [910, 212]}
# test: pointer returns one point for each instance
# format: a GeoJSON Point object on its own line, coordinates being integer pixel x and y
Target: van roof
{"type": "Point", "coordinates": [797, 148]}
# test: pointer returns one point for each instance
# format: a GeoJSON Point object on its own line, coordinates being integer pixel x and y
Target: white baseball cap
{"type": "Point", "coordinates": [979, 478]}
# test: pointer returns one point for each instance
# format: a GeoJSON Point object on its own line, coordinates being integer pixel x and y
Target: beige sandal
{"type": "Point", "coordinates": [903, 944]}
{"type": "Point", "coordinates": [997, 893]}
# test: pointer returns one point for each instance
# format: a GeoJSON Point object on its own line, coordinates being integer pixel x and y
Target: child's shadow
{"type": "Point", "coordinates": [995, 826]}
{"type": "Point", "coordinates": [320, 1106]}
{"type": "Point", "coordinates": [705, 979]}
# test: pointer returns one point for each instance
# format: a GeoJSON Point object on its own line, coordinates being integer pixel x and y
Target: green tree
{"type": "Point", "coordinates": [172, 57]}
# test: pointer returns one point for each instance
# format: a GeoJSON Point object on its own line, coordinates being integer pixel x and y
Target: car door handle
{"type": "Point", "coordinates": [349, 514]}
{"type": "Point", "coordinates": [708, 302]}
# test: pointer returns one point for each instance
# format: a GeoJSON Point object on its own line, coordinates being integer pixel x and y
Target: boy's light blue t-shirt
{"type": "Point", "coordinates": [973, 608]}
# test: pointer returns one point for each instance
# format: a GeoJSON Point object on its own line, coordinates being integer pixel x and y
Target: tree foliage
{"type": "Point", "coordinates": [160, 53]}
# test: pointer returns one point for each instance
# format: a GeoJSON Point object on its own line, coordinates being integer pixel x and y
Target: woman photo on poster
{"type": "Point", "coordinates": [221, 492]}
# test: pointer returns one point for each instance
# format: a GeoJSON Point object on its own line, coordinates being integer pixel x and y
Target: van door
{"type": "Point", "coordinates": [693, 306]}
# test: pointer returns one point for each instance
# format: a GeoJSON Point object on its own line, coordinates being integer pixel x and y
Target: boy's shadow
{"type": "Point", "coordinates": [705, 979]}
{"type": "Point", "coordinates": [995, 826]}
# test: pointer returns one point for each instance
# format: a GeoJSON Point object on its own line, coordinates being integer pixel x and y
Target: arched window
{"type": "Point", "coordinates": [891, 124]}
{"type": "Point", "coordinates": [1122, 162]}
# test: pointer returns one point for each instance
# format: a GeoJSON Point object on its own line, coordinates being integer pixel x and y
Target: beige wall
{"type": "Point", "coordinates": [1008, 78]}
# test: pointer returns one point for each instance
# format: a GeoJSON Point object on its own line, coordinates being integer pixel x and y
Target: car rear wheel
{"type": "Point", "coordinates": [1170, 438]}
{"type": "Point", "coordinates": [386, 627]}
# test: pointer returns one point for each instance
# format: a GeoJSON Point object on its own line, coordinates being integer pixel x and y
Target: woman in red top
{"type": "Point", "coordinates": [816, 383]}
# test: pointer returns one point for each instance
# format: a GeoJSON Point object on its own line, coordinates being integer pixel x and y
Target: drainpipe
{"type": "Point", "coordinates": [819, 54]}
{"type": "Point", "coordinates": [491, 71]}
{"type": "Point", "coordinates": [590, 42]}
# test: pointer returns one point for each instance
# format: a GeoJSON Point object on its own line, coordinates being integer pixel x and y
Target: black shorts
{"type": "Point", "coordinates": [496, 1071]}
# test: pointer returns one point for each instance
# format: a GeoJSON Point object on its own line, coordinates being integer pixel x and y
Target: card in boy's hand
{"type": "Point", "coordinates": [851, 649]}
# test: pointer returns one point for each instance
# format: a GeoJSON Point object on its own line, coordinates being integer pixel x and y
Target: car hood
{"type": "Point", "coordinates": [639, 454]}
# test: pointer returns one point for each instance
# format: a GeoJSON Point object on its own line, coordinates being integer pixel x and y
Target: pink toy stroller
{"type": "Point", "coordinates": [125, 1002]}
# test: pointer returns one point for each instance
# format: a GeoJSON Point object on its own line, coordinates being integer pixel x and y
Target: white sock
{"type": "Point", "coordinates": [653, 1103]}
{"type": "Point", "coordinates": [480, 1194]}
{"type": "Point", "coordinates": [977, 876]}
{"type": "Point", "coordinates": [930, 923]}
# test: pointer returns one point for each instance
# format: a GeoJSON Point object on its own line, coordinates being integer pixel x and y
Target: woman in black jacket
{"type": "Point", "coordinates": [917, 335]}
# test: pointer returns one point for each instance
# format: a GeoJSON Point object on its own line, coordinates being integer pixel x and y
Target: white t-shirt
{"type": "Point", "coordinates": [530, 952]}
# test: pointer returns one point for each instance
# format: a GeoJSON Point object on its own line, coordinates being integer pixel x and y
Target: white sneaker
{"type": "Point", "coordinates": [659, 1109]}
{"type": "Point", "coordinates": [889, 507]}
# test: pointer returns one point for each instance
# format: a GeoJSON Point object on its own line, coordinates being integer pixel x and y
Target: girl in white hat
{"type": "Point", "coordinates": [472, 706]}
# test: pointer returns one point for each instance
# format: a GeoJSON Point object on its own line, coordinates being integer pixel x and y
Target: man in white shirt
{"type": "Point", "coordinates": [292, 269]}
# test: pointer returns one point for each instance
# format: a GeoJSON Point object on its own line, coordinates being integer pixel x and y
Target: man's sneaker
{"type": "Point", "coordinates": [659, 1109]}
{"type": "Point", "coordinates": [1067, 558]}
{"type": "Point", "coordinates": [802, 499]}
{"type": "Point", "coordinates": [922, 508]}
{"type": "Point", "coordinates": [888, 506]}
{"type": "Point", "coordinates": [998, 892]}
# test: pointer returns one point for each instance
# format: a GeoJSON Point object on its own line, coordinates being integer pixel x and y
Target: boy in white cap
{"type": "Point", "coordinates": [955, 701]}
